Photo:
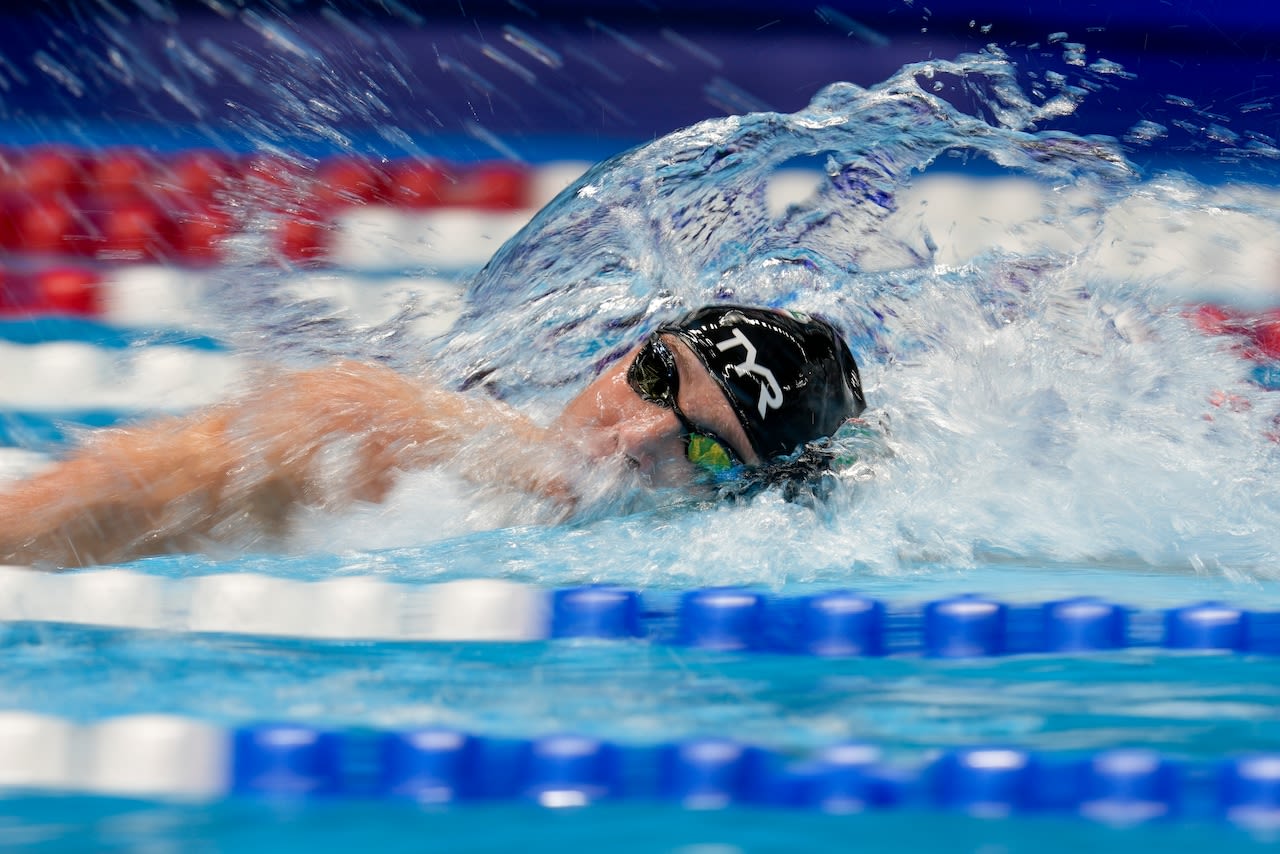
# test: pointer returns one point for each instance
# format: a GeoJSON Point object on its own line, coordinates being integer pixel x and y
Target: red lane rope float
{"type": "Point", "coordinates": [59, 289]}
{"type": "Point", "coordinates": [127, 204]}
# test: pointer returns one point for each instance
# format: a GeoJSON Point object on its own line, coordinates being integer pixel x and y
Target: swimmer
{"type": "Point", "coordinates": [724, 391]}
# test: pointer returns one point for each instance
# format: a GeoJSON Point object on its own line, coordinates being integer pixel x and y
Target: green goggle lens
{"type": "Point", "coordinates": [709, 453]}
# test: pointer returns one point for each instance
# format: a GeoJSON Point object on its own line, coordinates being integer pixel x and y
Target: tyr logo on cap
{"type": "Point", "coordinates": [770, 391]}
{"type": "Point", "coordinates": [808, 389]}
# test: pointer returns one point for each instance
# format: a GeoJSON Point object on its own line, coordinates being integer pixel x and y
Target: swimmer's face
{"type": "Point", "coordinates": [613, 421]}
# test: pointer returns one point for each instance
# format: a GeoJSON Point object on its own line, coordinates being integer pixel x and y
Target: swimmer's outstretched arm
{"type": "Point", "coordinates": [324, 437]}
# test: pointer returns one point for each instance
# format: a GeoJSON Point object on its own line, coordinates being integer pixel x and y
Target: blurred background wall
{"type": "Point", "coordinates": [528, 78]}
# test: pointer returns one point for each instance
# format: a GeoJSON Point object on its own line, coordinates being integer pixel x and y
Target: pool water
{"type": "Point", "coordinates": [1052, 424]}
{"type": "Point", "coordinates": [247, 827]}
{"type": "Point", "coordinates": [1195, 705]}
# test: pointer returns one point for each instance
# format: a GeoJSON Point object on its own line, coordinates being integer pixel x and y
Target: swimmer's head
{"type": "Point", "coordinates": [789, 377]}
{"type": "Point", "coordinates": [742, 394]}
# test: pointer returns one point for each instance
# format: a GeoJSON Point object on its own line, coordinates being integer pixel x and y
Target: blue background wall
{"type": "Point", "coordinates": [455, 78]}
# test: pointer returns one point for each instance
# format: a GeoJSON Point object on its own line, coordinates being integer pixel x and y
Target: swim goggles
{"type": "Point", "coordinates": [653, 376]}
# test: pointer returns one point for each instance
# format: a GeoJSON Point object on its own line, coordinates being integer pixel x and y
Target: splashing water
{"type": "Point", "coordinates": [1043, 406]}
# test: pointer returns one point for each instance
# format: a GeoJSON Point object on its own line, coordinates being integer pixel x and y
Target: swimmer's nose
{"type": "Point", "coordinates": [647, 437]}
{"type": "Point", "coordinates": [609, 420]}
{"type": "Point", "coordinates": [642, 437]}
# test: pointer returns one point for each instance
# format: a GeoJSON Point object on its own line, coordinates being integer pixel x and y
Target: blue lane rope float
{"type": "Point", "coordinates": [829, 624]}
{"type": "Point", "coordinates": [842, 623]}
{"type": "Point", "coordinates": [172, 758]}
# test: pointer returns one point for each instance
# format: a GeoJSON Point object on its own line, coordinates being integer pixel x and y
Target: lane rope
{"type": "Point", "coordinates": [172, 758]}
{"type": "Point", "coordinates": [829, 624]}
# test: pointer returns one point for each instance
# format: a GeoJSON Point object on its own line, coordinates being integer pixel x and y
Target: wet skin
{"type": "Point", "coordinates": [613, 421]}
{"type": "Point", "coordinates": [233, 472]}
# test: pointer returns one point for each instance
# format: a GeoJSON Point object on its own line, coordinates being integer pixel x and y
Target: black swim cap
{"type": "Point", "coordinates": [789, 377]}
